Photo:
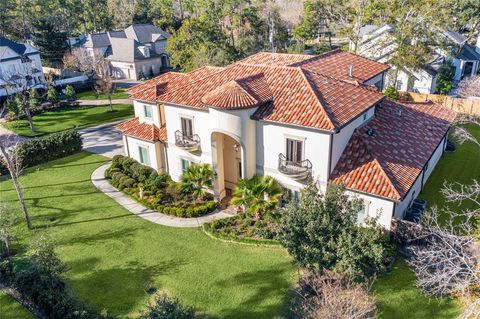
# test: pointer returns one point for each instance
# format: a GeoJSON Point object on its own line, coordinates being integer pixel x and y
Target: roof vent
{"type": "Point", "coordinates": [350, 71]}
{"type": "Point", "coordinates": [399, 113]}
{"type": "Point", "coordinates": [370, 132]}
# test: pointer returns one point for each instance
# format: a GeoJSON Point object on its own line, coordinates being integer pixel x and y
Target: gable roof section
{"type": "Point", "coordinates": [387, 164]}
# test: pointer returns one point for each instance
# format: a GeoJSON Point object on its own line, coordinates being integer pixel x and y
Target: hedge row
{"type": "Point", "coordinates": [43, 149]}
{"type": "Point", "coordinates": [192, 211]}
{"type": "Point", "coordinates": [46, 292]}
{"type": "Point", "coordinates": [126, 174]}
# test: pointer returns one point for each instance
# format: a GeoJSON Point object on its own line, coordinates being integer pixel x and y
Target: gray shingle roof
{"type": "Point", "coordinates": [97, 40]}
{"type": "Point", "coordinates": [18, 48]}
{"type": "Point", "coordinates": [468, 53]}
{"type": "Point", "coordinates": [145, 33]}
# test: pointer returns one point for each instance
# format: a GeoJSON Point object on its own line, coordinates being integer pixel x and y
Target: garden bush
{"type": "Point", "coordinates": [47, 292]}
{"type": "Point", "coordinates": [392, 93]}
{"type": "Point", "coordinates": [164, 307]}
{"type": "Point", "coordinates": [57, 145]}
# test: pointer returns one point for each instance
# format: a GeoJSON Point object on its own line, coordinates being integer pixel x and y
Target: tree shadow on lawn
{"type": "Point", "coordinates": [120, 290]}
{"type": "Point", "coordinates": [262, 285]}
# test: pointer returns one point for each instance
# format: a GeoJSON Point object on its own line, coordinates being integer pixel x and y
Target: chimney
{"type": "Point", "coordinates": [350, 71]}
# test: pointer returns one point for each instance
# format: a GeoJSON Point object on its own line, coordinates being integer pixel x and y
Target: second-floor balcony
{"type": "Point", "coordinates": [294, 169]}
{"type": "Point", "coordinates": [187, 142]}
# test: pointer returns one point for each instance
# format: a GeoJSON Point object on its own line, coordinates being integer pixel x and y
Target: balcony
{"type": "Point", "coordinates": [188, 143]}
{"type": "Point", "coordinates": [294, 169]}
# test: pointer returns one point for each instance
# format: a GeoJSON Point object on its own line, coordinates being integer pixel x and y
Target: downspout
{"type": "Point", "coordinates": [330, 157]}
{"type": "Point", "coordinates": [167, 167]}
{"type": "Point", "coordinates": [126, 146]}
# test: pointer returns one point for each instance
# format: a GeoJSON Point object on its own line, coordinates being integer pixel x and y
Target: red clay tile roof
{"type": "Point", "coordinates": [388, 163]}
{"type": "Point", "coordinates": [149, 90]}
{"type": "Point", "coordinates": [303, 93]}
{"type": "Point", "coordinates": [243, 93]}
{"type": "Point", "coordinates": [337, 64]}
{"type": "Point", "coordinates": [143, 131]}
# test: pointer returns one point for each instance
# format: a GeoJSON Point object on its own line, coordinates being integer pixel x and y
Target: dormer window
{"type": "Point", "coordinates": [147, 109]}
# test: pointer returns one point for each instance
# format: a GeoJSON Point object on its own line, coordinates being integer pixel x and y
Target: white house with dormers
{"type": "Point", "coordinates": [376, 43]}
{"type": "Point", "coordinates": [20, 67]}
{"type": "Point", "coordinates": [291, 117]}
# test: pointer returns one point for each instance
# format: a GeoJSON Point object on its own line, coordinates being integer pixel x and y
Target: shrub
{"type": "Point", "coordinates": [391, 93]}
{"type": "Point", "coordinates": [139, 172]}
{"type": "Point", "coordinates": [164, 307]}
{"type": "Point", "coordinates": [70, 93]}
{"type": "Point", "coordinates": [445, 78]}
{"type": "Point", "coordinates": [157, 182]}
{"type": "Point", "coordinates": [57, 145]}
{"type": "Point", "coordinates": [117, 161]}
{"type": "Point", "coordinates": [52, 95]}
{"type": "Point", "coordinates": [328, 296]}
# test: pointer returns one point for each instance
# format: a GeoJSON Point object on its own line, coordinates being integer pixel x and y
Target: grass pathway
{"type": "Point", "coordinates": [114, 257]}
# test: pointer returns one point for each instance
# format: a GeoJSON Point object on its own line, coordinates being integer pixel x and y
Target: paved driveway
{"type": "Point", "coordinates": [103, 139]}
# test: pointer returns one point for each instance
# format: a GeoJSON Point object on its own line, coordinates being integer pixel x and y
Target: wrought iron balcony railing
{"type": "Point", "coordinates": [294, 169]}
{"type": "Point", "coordinates": [187, 142]}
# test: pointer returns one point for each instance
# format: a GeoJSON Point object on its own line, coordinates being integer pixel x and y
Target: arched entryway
{"type": "Point", "coordinates": [227, 155]}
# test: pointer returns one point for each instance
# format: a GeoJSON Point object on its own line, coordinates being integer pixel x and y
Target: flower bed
{"type": "Point", "coordinates": [155, 191]}
{"type": "Point", "coordinates": [242, 228]}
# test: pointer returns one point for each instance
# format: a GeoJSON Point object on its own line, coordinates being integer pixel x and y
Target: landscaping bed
{"type": "Point", "coordinates": [242, 228]}
{"type": "Point", "coordinates": [156, 191]}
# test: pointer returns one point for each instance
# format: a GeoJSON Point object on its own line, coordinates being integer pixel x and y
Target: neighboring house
{"type": "Point", "coordinates": [375, 43]}
{"type": "Point", "coordinates": [134, 53]}
{"type": "Point", "coordinates": [20, 67]}
{"type": "Point", "coordinates": [291, 117]}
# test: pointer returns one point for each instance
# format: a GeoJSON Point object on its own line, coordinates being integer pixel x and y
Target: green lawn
{"type": "Point", "coordinates": [73, 117]}
{"type": "Point", "coordinates": [12, 309]}
{"type": "Point", "coordinates": [113, 257]}
{"type": "Point", "coordinates": [461, 166]}
{"type": "Point", "coordinates": [398, 298]}
{"type": "Point", "coordinates": [91, 95]}
{"type": "Point", "coordinates": [396, 292]}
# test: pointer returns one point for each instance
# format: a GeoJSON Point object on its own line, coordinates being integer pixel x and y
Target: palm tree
{"type": "Point", "coordinates": [257, 195]}
{"type": "Point", "coordinates": [197, 180]}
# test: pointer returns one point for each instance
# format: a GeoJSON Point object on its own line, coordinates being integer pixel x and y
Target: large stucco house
{"type": "Point", "coordinates": [20, 67]}
{"type": "Point", "coordinates": [376, 43]}
{"type": "Point", "coordinates": [290, 117]}
{"type": "Point", "coordinates": [134, 53]}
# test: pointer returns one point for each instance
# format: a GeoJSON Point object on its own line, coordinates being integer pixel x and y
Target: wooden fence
{"type": "Point", "coordinates": [459, 105]}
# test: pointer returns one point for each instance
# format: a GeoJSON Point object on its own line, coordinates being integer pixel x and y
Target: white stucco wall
{"type": "Point", "coordinates": [201, 127]}
{"type": "Point", "coordinates": [341, 138]}
{"type": "Point", "coordinates": [140, 113]}
{"type": "Point", "coordinates": [380, 208]}
{"type": "Point", "coordinates": [154, 150]}
{"type": "Point", "coordinates": [271, 141]}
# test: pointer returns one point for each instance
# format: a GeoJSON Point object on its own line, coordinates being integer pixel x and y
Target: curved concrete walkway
{"type": "Point", "coordinates": [98, 179]}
